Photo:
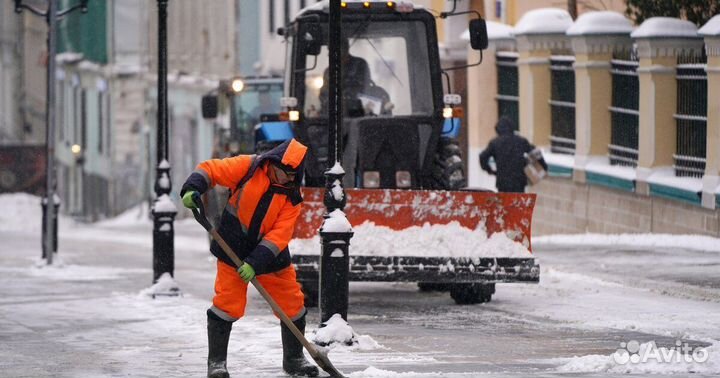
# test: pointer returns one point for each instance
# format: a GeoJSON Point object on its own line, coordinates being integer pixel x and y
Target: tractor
{"type": "Point", "coordinates": [401, 156]}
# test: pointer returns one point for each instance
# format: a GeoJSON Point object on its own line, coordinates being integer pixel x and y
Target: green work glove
{"type": "Point", "coordinates": [188, 200]}
{"type": "Point", "coordinates": [247, 272]}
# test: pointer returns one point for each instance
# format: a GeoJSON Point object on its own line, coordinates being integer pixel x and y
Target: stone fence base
{"type": "Point", "coordinates": [566, 207]}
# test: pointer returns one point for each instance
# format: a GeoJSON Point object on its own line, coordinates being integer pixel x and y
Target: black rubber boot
{"type": "Point", "coordinates": [218, 336]}
{"type": "Point", "coordinates": [294, 362]}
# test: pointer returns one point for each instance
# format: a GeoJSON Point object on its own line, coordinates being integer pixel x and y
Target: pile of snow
{"type": "Point", "coordinates": [21, 212]}
{"type": "Point", "coordinates": [336, 222]}
{"type": "Point", "coordinates": [336, 330]}
{"type": "Point", "coordinates": [650, 359]}
{"type": "Point", "coordinates": [665, 27]}
{"type": "Point", "coordinates": [694, 242]}
{"type": "Point", "coordinates": [139, 214]}
{"type": "Point", "coordinates": [449, 240]}
{"type": "Point", "coordinates": [603, 22]}
{"type": "Point", "coordinates": [337, 333]}
{"type": "Point", "coordinates": [165, 286]}
{"type": "Point", "coordinates": [712, 27]}
{"type": "Point", "coordinates": [544, 21]}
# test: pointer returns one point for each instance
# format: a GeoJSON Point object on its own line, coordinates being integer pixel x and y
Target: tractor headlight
{"type": "Point", "coordinates": [403, 179]}
{"type": "Point", "coordinates": [294, 115]}
{"type": "Point", "coordinates": [237, 85]}
{"type": "Point", "coordinates": [371, 179]}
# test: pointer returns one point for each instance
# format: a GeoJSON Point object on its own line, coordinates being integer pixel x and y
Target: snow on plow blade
{"type": "Point", "coordinates": [510, 213]}
{"type": "Point", "coordinates": [431, 236]}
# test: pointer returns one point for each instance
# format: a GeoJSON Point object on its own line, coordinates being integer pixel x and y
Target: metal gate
{"type": "Point", "coordinates": [691, 116]}
{"type": "Point", "coordinates": [562, 104]}
{"type": "Point", "coordinates": [508, 86]}
{"type": "Point", "coordinates": [624, 112]}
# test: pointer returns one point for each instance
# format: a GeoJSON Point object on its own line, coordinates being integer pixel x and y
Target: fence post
{"type": "Point", "coordinates": [594, 37]}
{"type": "Point", "coordinates": [660, 40]}
{"type": "Point", "coordinates": [482, 88]}
{"type": "Point", "coordinates": [536, 39]}
{"type": "Point", "coordinates": [711, 179]}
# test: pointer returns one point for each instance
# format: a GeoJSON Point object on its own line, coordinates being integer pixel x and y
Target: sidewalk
{"type": "Point", "coordinates": [87, 318]}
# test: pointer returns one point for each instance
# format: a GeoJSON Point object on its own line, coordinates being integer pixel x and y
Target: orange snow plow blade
{"type": "Point", "coordinates": [510, 213]}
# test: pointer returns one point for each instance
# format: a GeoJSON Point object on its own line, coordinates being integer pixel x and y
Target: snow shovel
{"type": "Point", "coordinates": [320, 357]}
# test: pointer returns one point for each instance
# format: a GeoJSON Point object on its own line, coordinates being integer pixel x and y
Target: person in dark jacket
{"type": "Point", "coordinates": [258, 223]}
{"type": "Point", "coordinates": [509, 151]}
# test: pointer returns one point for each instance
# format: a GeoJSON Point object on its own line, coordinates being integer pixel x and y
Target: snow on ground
{"type": "Point", "coordinates": [650, 359]}
{"type": "Point", "coordinates": [694, 242]}
{"type": "Point", "coordinates": [89, 313]}
{"type": "Point", "coordinates": [451, 240]}
{"type": "Point", "coordinates": [586, 302]}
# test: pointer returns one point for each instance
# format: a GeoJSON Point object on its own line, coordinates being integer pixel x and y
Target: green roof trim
{"type": "Point", "coordinates": [676, 194]}
{"type": "Point", "coordinates": [610, 181]}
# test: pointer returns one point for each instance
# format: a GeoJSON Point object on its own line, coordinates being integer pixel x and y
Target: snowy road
{"type": "Point", "coordinates": [86, 319]}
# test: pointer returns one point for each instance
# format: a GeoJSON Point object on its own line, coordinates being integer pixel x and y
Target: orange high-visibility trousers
{"type": "Point", "coordinates": [231, 291]}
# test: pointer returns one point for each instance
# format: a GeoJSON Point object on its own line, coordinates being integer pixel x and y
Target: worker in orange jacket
{"type": "Point", "coordinates": [258, 223]}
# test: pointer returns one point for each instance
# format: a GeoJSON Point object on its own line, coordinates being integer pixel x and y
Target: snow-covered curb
{"type": "Point", "coordinates": [694, 242]}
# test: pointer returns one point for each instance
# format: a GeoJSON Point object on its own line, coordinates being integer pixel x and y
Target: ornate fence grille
{"type": "Point", "coordinates": [691, 116]}
{"type": "Point", "coordinates": [624, 112]}
{"type": "Point", "coordinates": [562, 104]}
{"type": "Point", "coordinates": [508, 87]}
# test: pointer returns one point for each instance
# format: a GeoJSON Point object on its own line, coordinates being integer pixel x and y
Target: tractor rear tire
{"type": "Point", "coordinates": [448, 172]}
{"type": "Point", "coordinates": [472, 293]}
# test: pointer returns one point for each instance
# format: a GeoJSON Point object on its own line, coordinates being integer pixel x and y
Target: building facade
{"type": "Point", "coordinates": [626, 116]}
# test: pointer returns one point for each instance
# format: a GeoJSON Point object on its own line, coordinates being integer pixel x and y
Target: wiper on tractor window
{"type": "Point", "coordinates": [385, 62]}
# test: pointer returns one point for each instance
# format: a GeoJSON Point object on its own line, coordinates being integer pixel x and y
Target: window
{"type": "Point", "coordinates": [382, 58]}
{"type": "Point", "coordinates": [562, 105]}
{"type": "Point", "coordinates": [508, 86]}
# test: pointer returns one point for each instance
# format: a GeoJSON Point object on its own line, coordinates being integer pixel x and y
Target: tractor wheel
{"type": "Point", "coordinates": [311, 291]}
{"type": "Point", "coordinates": [472, 293]}
{"type": "Point", "coordinates": [447, 171]}
{"type": "Point", "coordinates": [432, 286]}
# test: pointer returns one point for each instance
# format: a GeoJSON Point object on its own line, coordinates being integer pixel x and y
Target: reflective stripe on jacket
{"type": "Point", "coordinates": [259, 218]}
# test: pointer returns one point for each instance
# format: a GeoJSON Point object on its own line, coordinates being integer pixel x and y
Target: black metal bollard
{"type": "Point", "coordinates": [334, 271]}
{"type": "Point", "coordinates": [56, 203]}
{"type": "Point", "coordinates": [163, 244]}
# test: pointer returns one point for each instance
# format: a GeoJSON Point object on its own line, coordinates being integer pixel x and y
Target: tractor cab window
{"type": "Point", "coordinates": [254, 101]}
{"type": "Point", "coordinates": [385, 71]}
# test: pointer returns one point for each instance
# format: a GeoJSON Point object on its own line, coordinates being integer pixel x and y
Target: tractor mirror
{"type": "Point", "coordinates": [478, 34]}
{"type": "Point", "coordinates": [312, 39]}
{"type": "Point", "coordinates": [209, 106]}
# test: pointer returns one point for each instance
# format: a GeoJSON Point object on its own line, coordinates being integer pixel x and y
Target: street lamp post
{"type": "Point", "coordinates": [51, 202]}
{"type": "Point", "coordinates": [335, 254]}
{"type": "Point", "coordinates": [164, 210]}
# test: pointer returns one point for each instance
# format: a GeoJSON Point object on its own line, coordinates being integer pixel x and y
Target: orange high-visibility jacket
{"type": "Point", "coordinates": [259, 218]}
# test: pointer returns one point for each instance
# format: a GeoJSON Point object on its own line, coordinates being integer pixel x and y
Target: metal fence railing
{"type": "Point", "coordinates": [508, 86]}
{"type": "Point", "coordinates": [624, 111]}
{"type": "Point", "coordinates": [691, 116]}
{"type": "Point", "coordinates": [562, 104]}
